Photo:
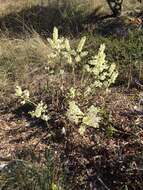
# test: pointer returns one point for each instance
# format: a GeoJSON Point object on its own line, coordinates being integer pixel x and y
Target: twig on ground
{"type": "Point", "coordinates": [102, 182]}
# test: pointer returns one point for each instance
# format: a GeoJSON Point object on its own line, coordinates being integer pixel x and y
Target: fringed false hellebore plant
{"type": "Point", "coordinates": [101, 75]}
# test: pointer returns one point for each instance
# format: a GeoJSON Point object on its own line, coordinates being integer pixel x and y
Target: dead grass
{"type": "Point", "coordinates": [21, 61]}
{"type": "Point", "coordinates": [9, 6]}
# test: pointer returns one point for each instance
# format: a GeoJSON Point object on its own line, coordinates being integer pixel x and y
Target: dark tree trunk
{"type": "Point", "coordinates": [115, 6]}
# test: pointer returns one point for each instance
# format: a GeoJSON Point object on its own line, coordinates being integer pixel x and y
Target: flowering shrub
{"type": "Point", "coordinates": [94, 72]}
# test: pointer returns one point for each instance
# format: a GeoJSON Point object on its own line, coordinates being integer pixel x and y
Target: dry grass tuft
{"type": "Point", "coordinates": [21, 60]}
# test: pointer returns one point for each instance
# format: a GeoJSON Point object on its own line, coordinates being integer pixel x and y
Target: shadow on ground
{"type": "Point", "coordinates": [43, 19]}
{"type": "Point", "coordinates": [69, 20]}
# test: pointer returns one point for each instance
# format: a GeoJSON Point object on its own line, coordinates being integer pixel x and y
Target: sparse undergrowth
{"type": "Point", "coordinates": [95, 132]}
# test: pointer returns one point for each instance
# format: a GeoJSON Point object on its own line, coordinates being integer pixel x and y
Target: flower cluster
{"type": "Point", "coordinates": [56, 43]}
{"type": "Point", "coordinates": [40, 112]}
{"type": "Point", "coordinates": [40, 108]}
{"type": "Point", "coordinates": [74, 114]}
{"type": "Point", "coordinates": [75, 55]}
{"type": "Point", "coordinates": [24, 95]}
{"type": "Point", "coordinates": [103, 73]}
{"type": "Point", "coordinates": [90, 118]}
{"type": "Point", "coordinates": [61, 48]}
